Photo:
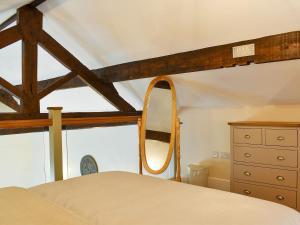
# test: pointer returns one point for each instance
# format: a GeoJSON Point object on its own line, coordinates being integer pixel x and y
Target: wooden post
{"type": "Point", "coordinates": [140, 149]}
{"type": "Point", "coordinates": [55, 138]}
{"type": "Point", "coordinates": [30, 22]}
{"type": "Point", "coordinates": [177, 151]}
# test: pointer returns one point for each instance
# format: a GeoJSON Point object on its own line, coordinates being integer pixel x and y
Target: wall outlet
{"type": "Point", "coordinates": [215, 154]}
{"type": "Point", "coordinates": [243, 50]}
{"type": "Point", "coordinates": [224, 155]}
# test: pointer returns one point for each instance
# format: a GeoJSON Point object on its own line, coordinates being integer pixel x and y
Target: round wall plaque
{"type": "Point", "coordinates": [88, 165]}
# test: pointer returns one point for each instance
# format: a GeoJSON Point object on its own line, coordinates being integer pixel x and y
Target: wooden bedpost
{"type": "Point", "coordinates": [55, 138]}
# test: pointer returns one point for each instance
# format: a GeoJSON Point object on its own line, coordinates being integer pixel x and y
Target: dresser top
{"type": "Point", "coordinates": [265, 123]}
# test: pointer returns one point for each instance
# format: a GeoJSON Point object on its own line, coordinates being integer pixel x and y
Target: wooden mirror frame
{"type": "Point", "coordinates": [144, 123]}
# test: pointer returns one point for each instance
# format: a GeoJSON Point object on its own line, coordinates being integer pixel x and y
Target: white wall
{"type": "Point", "coordinates": [206, 130]}
{"type": "Point", "coordinates": [24, 162]}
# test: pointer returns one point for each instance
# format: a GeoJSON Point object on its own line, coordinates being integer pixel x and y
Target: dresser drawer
{"type": "Point", "coordinates": [251, 136]}
{"type": "Point", "coordinates": [282, 137]}
{"type": "Point", "coordinates": [266, 156]}
{"type": "Point", "coordinates": [281, 196]}
{"type": "Point", "coordinates": [286, 178]}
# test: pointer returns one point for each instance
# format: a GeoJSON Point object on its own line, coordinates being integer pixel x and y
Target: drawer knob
{"type": "Point", "coordinates": [280, 158]}
{"type": "Point", "coordinates": [246, 173]}
{"type": "Point", "coordinates": [280, 138]}
{"type": "Point", "coordinates": [247, 136]}
{"type": "Point", "coordinates": [280, 178]}
{"type": "Point", "coordinates": [280, 197]}
{"type": "Point", "coordinates": [247, 192]}
{"type": "Point", "coordinates": [247, 155]}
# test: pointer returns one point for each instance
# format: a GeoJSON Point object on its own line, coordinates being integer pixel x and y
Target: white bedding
{"type": "Point", "coordinates": [20, 207]}
{"type": "Point", "coordinates": [119, 198]}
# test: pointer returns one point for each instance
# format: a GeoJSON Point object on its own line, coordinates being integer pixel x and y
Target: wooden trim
{"type": "Point", "coordinates": [8, 100]}
{"type": "Point", "coordinates": [20, 116]}
{"type": "Point", "coordinates": [56, 84]}
{"type": "Point", "coordinates": [9, 36]}
{"type": "Point", "coordinates": [72, 63]}
{"type": "Point", "coordinates": [265, 123]}
{"type": "Point", "coordinates": [144, 125]}
{"type": "Point", "coordinates": [99, 120]}
{"type": "Point", "coordinates": [10, 88]}
{"type": "Point", "coordinates": [8, 124]}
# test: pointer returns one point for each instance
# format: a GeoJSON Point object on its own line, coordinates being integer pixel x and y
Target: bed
{"type": "Point", "coordinates": [122, 198]}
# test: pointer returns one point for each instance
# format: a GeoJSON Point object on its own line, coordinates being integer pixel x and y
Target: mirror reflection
{"type": "Point", "coordinates": [158, 125]}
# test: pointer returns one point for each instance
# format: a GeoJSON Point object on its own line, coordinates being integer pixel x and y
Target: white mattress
{"type": "Point", "coordinates": [119, 198]}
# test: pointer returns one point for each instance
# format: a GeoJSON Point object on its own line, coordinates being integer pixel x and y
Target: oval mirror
{"type": "Point", "coordinates": [158, 125]}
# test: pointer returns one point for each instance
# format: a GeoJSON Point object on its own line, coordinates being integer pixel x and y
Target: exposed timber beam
{"type": "Point", "coordinates": [13, 18]}
{"type": "Point", "coordinates": [268, 49]}
{"type": "Point", "coordinates": [8, 22]}
{"type": "Point", "coordinates": [72, 63]}
{"type": "Point", "coordinates": [8, 100]}
{"type": "Point", "coordinates": [71, 121]}
{"type": "Point", "coordinates": [13, 90]}
{"type": "Point", "coordinates": [158, 136]}
{"type": "Point", "coordinates": [30, 22]}
{"type": "Point", "coordinates": [25, 116]}
{"type": "Point", "coordinates": [9, 36]}
{"type": "Point", "coordinates": [55, 85]}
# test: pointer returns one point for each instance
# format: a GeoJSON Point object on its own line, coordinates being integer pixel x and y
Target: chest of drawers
{"type": "Point", "coordinates": [265, 161]}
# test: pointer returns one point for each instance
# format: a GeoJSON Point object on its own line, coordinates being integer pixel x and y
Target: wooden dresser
{"type": "Point", "coordinates": [265, 161]}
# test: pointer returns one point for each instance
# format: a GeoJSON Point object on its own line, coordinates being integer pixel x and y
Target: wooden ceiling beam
{"type": "Point", "coordinates": [268, 49]}
{"type": "Point", "coordinates": [56, 84]}
{"type": "Point", "coordinates": [8, 100]}
{"type": "Point", "coordinates": [8, 22]}
{"type": "Point", "coordinates": [66, 58]}
{"type": "Point", "coordinates": [9, 36]}
{"type": "Point", "coordinates": [158, 136]}
{"type": "Point", "coordinates": [11, 89]}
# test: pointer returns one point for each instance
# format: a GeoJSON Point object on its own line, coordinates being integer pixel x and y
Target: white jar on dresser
{"type": "Point", "coordinates": [265, 161]}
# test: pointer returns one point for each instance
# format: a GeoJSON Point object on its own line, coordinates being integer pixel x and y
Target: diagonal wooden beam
{"type": "Point", "coordinates": [8, 22]}
{"type": "Point", "coordinates": [9, 36]}
{"type": "Point", "coordinates": [56, 84]}
{"type": "Point", "coordinates": [8, 100]}
{"type": "Point", "coordinates": [72, 63]}
{"type": "Point", "coordinates": [11, 89]}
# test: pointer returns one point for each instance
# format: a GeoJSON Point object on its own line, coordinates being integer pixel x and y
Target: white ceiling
{"type": "Point", "coordinates": [102, 33]}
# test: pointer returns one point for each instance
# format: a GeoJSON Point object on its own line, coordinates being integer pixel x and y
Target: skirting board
{"type": "Point", "coordinates": [218, 183]}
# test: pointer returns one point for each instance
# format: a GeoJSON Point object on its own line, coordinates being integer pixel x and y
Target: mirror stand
{"type": "Point", "coordinates": [176, 152]}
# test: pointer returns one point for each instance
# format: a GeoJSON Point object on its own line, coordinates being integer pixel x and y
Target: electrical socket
{"type": "Point", "coordinates": [215, 154]}
{"type": "Point", "coordinates": [224, 155]}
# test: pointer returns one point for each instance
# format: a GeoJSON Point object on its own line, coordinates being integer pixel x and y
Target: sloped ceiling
{"type": "Point", "coordinates": [102, 33]}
